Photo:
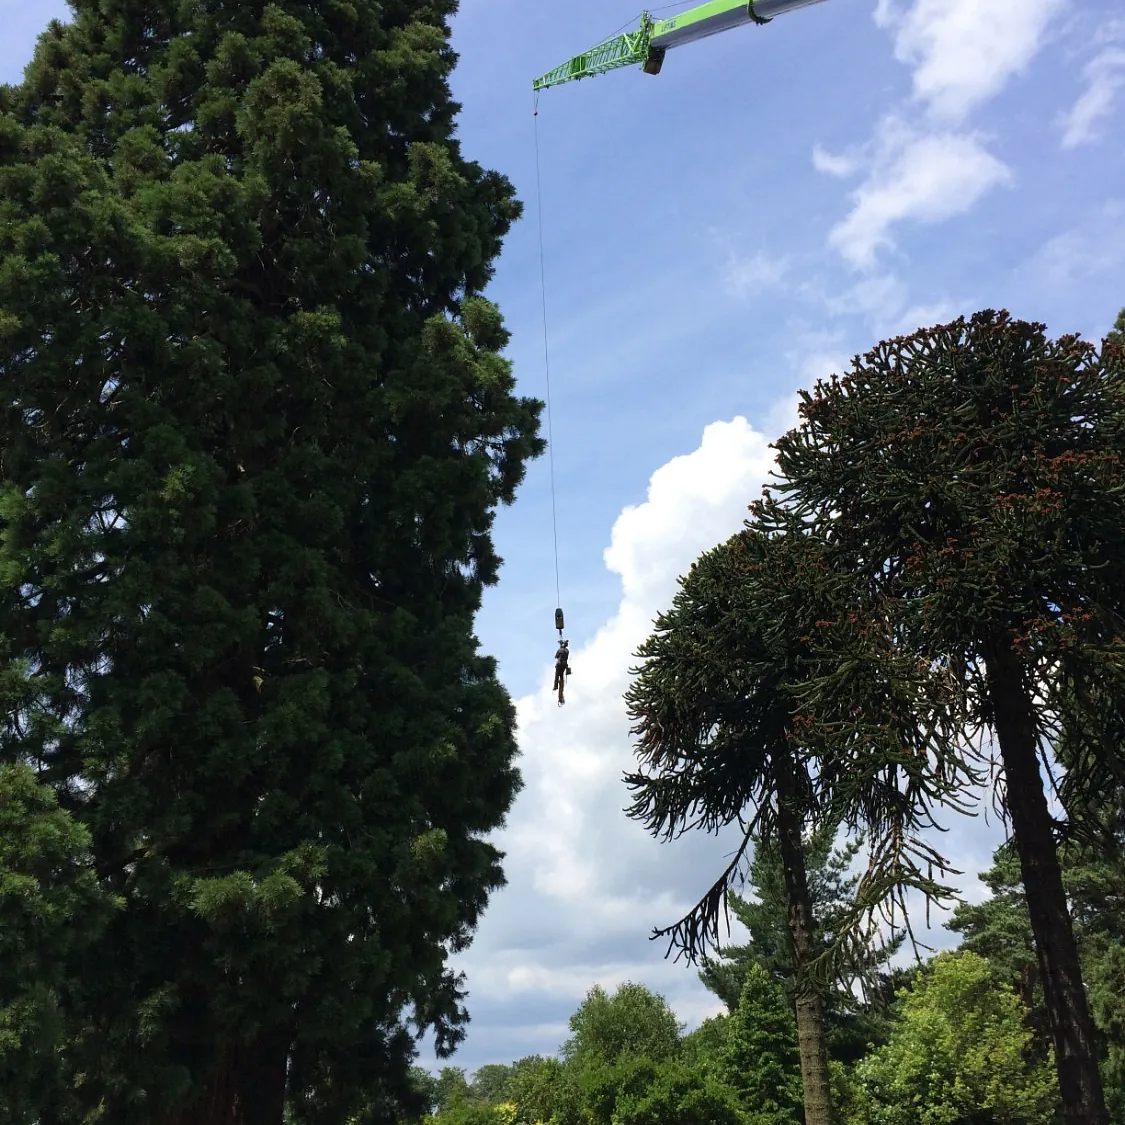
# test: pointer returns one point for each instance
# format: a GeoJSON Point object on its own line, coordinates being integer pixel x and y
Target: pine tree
{"type": "Point", "coordinates": [256, 426]}
{"type": "Point", "coordinates": [760, 1058]}
{"type": "Point", "coordinates": [1116, 334]}
{"type": "Point", "coordinates": [850, 1025]}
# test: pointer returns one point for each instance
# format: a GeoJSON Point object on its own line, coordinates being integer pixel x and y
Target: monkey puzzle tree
{"type": "Point", "coordinates": [722, 739]}
{"type": "Point", "coordinates": [972, 475]}
{"type": "Point", "coordinates": [256, 424]}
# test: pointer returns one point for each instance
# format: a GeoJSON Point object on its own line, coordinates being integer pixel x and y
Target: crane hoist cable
{"type": "Point", "coordinates": [647, 47]}
{"type": "Point", "coordinates": [560, 622]}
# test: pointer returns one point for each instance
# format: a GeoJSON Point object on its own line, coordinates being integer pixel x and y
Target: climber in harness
{"type": "Point", "coordinates": [562, 659]}
{"type": "Point", "coordinates": [562, 669]}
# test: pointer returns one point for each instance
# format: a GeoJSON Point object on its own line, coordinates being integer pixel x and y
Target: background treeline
{"type": "Point", "coordinates": [961, 1037]}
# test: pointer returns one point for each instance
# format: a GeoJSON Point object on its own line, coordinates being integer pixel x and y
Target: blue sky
{"type": "Point", "coordinates": [776, 200]}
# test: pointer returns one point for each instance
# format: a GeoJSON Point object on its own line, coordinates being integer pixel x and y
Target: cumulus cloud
{"type": "Point", "coordinates": [574, 755]}
{"type": "Point", "coordinates": [1104, 75]}
{"type": "Point", "coordinates": [586, 885]}
{"type": "Point", "coordinates": [924, 177]}
{"type": "Point", "coordinates": [964, 51]}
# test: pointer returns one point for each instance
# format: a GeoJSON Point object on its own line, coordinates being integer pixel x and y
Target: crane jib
{"type": "Point", "coordinates": [647, 46]}
{"type": "Point", "coordinates": [719, 15]}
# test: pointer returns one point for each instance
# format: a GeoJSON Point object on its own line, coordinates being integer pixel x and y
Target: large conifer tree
{"type": "Point", "coordinates": [256, 423]}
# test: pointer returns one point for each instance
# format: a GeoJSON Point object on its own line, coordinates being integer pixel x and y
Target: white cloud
{"type": "Point", "coordinates": [964, 51]}
{"type": "Point", "coordinates": [927, 178]}
{"type": "Point", "coordinates": [878, 296]}
{"type": "Point", "coordinates": [833, 164]}
{"type": "Point", "coordinates": [883, 300]}
{"type": "Point", "coordinates": [586, 885]}
{"type": "Point", "coordinates": [1105, 76]}
{"type": "Point", "coordinates": [1093, 248]}
{"type": "Point", "coordinates": [746, 277]}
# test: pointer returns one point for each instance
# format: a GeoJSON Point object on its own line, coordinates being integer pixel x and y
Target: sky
{"type": "Point", "coordinates": [716, 238]}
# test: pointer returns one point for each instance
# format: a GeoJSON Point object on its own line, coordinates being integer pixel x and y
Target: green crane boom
{"type": "Point", "coordinates": [648, 44]}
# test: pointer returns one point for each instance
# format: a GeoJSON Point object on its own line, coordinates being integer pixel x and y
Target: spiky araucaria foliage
{"type": "Point", "coordinates": [255, 428]}
{"type": "Point", "coordinates": [973, 476]}
{"type": "Point", "coordinates": [747, 711]}
{"type": "Point", "coordinates": [772, 657]}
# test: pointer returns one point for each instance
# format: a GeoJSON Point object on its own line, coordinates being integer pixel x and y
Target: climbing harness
{"type": "Point", "coordinates": [560, 622]}
{"type": "Point", "coordinates": [562, 669]}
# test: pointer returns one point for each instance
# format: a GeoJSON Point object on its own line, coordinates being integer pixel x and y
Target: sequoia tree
{"type": "Point", "coordinates": [52, 910]}
{"type": "Point", "coordinates": [255, 428]}
{"type": "Point", "coordinates": [972, 474]}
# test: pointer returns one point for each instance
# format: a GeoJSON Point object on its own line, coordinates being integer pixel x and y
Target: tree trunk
{"type": "Point", "coordinates": [262, 1078]}
{"type": "Point", "coordinates": [1072, 1029]}
{"type": "Point", "coordinates": [216, 1103]}
{"type": "Point", "coordinates": [245, 1087]}
{"type": "Point", "coordinates": [811, 1038]}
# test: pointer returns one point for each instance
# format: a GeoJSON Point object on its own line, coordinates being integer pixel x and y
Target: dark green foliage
{"type": "Point", "coordinates": [1096, 880]}
{"type": "Point", "coordinates": [541, 1088]}
{"type": "Point", "coordinates": [760, 1060]}
{"type": "Point", "coordinates": [602, 1085]}
{"type": "Point", "coordinates": [640, 1090]}
{"type": "Point", "coordinates": [490, 1083]}
{"type": "Point", "coordinates": [633, 1021]}
{"type": "Point", "coordinates": [701, 1048]}
{"type": "Point", "coordinates": [51, 911]}
{"type": "Point", "coordinates": [450, 1087]}
{"type": "Point", "coordinates": [257, 423]}
{"type": "Point", "coordinates": [999, 930]}
{"type": "Point", "coordinates": [469, 1113]}
{"type": "Point", "coordinates": [1116, 335]}
{"type": "Point", "coordinates": [428, 1089]}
